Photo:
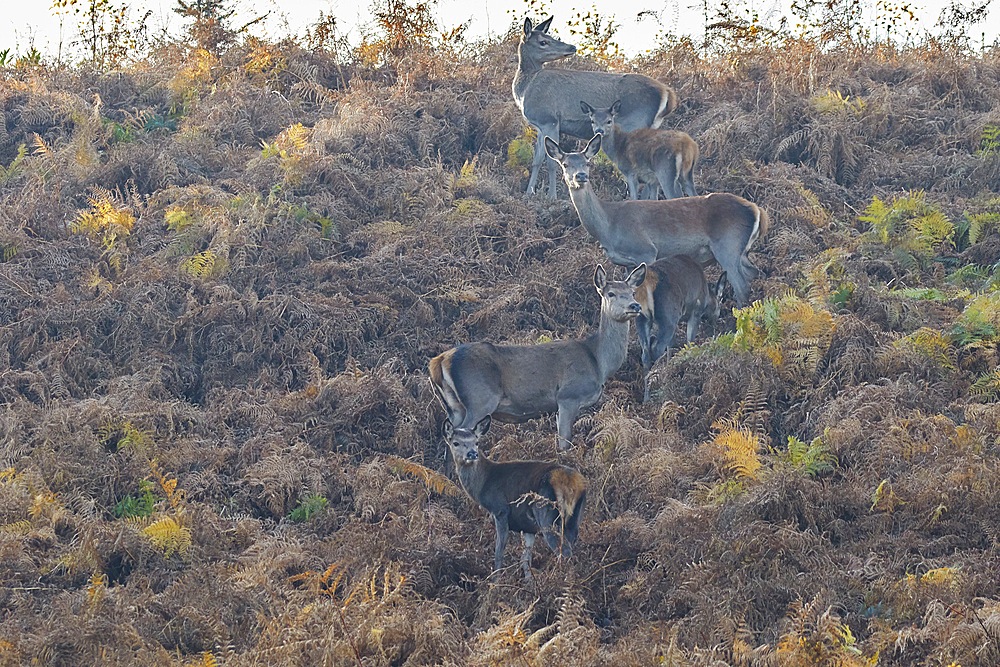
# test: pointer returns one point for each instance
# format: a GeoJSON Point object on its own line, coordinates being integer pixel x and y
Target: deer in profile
{"type": "Point", "coordinates": [550, 98]}
{"type": "Point", "coordinates": [515, 383]}
{"type": "Point", "coordinates": [648, 155]}
{"type": "Point", "coordinates": [711, 228]}
{"type": "Point", "coordinates": [675, 289]}
{"type": "Point", "coordinates": [529, 497]}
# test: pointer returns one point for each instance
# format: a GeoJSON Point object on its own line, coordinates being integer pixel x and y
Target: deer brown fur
{"type": "Point", "coordinates": [529, 497]}
{"type": "Point", "coordinates": [650, 156]}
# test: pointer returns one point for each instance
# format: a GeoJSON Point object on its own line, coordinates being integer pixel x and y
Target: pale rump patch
{"type": "Point", "coordinates": [569, 485]}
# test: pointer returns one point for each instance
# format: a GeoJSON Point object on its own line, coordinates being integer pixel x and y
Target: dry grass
{"type": "Point", "coordinates": [310, 229]}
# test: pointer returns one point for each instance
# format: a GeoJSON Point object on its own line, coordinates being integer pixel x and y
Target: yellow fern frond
{"type": "Point", "coordinates": [16, 528]}
{"type": "Point", "coordinates": [168, 536]}
{"type": "Point", "coordinates": [434, 481]}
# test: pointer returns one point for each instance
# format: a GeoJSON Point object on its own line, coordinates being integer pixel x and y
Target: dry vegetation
{"type": "Point", "coordinates": [223, 274]}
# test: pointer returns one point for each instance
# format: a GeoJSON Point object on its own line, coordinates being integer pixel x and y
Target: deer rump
{"type": "Point", "coordinates": [513, 383]}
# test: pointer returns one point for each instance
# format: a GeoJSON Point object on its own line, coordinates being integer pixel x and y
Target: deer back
{"type": "Point", "coordinates": [647, 147]}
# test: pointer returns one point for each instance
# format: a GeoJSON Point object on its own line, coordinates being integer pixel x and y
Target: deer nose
{"type": "Point", "coordinates": [580, 177]}
{"type": "Point", "coordinates": [635, 307]}
{"type": "Point", "coordinates": [472, 456]}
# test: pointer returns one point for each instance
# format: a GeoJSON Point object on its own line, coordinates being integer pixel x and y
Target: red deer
{"type": "Point", "coordinates": [710, 228]}
{"type": "Point", "coordinates": [647, 155]}
{"type": "Point", "coordinates": [550, 98]}
{"type": "Point", "coordinates": [674, 289]}
{"type": "Point", "coordinates": [517, 383]}
{"type": "Point", "coordinates": [530, 497]}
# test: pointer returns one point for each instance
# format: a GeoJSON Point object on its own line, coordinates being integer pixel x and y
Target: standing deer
{"type": "Point", "coordinates": [516, 383]}
{"type": "Point", "coordinates": [530, 497]}
{"type": "Point", "coordinates": [674, 289]}
{"type": "Point", "coordinates": [717, 227]}
{"type": "Point", "coordinates": [648, 155]}
{"type": "Point", "coordinates": [550, 98]}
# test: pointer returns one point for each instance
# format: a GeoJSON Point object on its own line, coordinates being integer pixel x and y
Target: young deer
{"type": "Point", "coordinates": [530, 497]}
{"type": "Point", "coordinates": [710, 228]}
{"type": "Point", "coordinates": [674, 289]}
{"type": "Point", "coordinates": [648, 155]}
{"type": "Point", "coordinates": [517, 383]}
{"type": "Point", "coordinates": [549, 98]}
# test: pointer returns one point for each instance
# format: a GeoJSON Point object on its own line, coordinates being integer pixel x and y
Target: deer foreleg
{"type": "Point", "coordinates": [568, 412]}
{"type": "Point", "coordinates": [503, 531]}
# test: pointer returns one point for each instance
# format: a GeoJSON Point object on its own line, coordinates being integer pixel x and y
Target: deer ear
{"type": "Point", "coordinates": [616, 107]}
{"type": "Point", "coordinates": [527, 27]}
{"type": "Point", "coordinates": [587, 109]}
{"type": "Point", "coordinates": [448, 429]}
{"type": "Point", "coordinates": [483, 426]}
{"type": "Point", "coordinates": [544, 25]}
{"type": "Point", "coordinates": [552, 149]}
{"type": "Point", "coordinates": [600, 278]}
{"type": "Point", "coordinates": [593, 148]}
{"type": "Point", "coordinates": [637, 277]}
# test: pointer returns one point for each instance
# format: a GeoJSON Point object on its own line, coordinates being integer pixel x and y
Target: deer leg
{"type": "Point", "coordinates": [689, 183]}
{"type": "Point", "coordinates": [666, 173]}
{"type": "Point", "coordinates": [633, 186]}
{"type": "Point", "coordinates": [503, 531]}
{"type": "Point", "coordinates": [529, 542]}
{"type": "Point", "coordinates": [568, 412]}
{"type": "Point", "coordinates": [536, 162]}
{"type": "Point", "coordinates": [692, 326]}
{"type": "Point", "coordinates": [643, 326]}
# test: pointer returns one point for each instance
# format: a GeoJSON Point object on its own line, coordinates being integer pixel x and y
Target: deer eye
{"type": "Point", "coordinates": [611, 295]}
{"type": "Point", "coordinates": [544, 42]}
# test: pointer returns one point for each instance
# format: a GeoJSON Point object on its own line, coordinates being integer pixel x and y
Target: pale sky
{"type": "Point", "coordinates": [24, 24]}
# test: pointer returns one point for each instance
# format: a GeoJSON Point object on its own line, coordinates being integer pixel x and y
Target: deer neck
{"type": "Point", "coordinates": [614, 145]}
{"type": "Point", "coordinates": [612, 345]}
{"type": "Point", "coordinates": [527, 68]}
{"type": "Point", "coordinates": [474, 477]}
{"type": "Point", "coordinates": [592, 214]}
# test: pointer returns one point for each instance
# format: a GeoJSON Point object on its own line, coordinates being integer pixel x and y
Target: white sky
{"type": "Point", "coordinates": [23, 24]}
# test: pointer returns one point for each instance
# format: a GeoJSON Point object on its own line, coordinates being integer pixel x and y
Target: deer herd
{"type": "Point", "coordinates": [664, 244]}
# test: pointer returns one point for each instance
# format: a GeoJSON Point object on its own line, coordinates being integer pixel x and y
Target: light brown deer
{"type": "Point", "coordinates": [530, 497]}
{"type": "Point", "coordinates": [515, 383]}
{"type": "Point", "coordinates": [550, 98]}
{"type": "Point", "coordinates": [710, 228]}
{"type": "Point", "coordinates": [651, 156]}
{"type": "Point", "coordinates": [674, 289]}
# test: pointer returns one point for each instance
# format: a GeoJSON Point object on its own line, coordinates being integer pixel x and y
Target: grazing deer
{"type": "Point", "coordinates": [530, 497]}
{"type": "Point", "coordinates": [717, 227]}
{"type": "Point", "coordinates": [674, 289]}
{"type": "Point", "coordinates": [648, 155]}
{"type": "Point", "coordinates": [549, 98]}
{"type": "Point", "coordinates": [517, 383]}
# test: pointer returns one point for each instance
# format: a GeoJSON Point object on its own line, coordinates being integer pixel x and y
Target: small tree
{"type": "Point", "coordinates": [105, 30]}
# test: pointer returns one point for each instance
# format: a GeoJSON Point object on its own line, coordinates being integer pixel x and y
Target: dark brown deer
{"type": "Point", "coordinates": [651, 156]}
{"type": "Point", "coordinates": [674, 289]}
{"type": "Point", "coordinates": [710, 228]}
{"type": "Point", "coordinates": [516, 383]}
{"type": "Point", "coordinates": [529, 497]}
{"type": "Point", "coordinates": [550, 98]}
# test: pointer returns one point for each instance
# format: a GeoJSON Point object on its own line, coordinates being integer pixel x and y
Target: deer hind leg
{"type": "Point", "coordinates": [687, 180]}
{"type": "Point", "coordinates": [529, 542]}
{"type": "Point", "coordinates": [666, 173]}
{"type": "Point", "coordinates": [547, 519]}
